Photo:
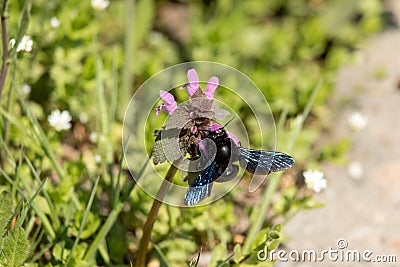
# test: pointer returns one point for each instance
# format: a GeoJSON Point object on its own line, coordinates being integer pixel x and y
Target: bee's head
{"type": "Point", "coordinates": [219, 133]}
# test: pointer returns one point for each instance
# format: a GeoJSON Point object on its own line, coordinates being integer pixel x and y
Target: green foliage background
{"type": "Point", "coordinates": [89, 213]}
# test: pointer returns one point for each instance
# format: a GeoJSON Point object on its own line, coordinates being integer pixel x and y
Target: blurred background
{"type": "Point", "coordinates": [89, 57]}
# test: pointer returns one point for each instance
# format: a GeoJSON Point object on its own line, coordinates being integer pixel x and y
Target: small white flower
{"type": "Point", "coordinates": [25, 44]}
{"type": "Point", "coordinates": [315, 180]}
{"type": "Point", "coordinates": [355, 170]}
{"type": "Point", "coordinates": [12, 42]}
{"type": "Point", "coordinates": [26, 88]}
{"type": "Point", "coordinates": [100, 4]}
{"type": "Point", "coordinates": [94, 137]}
{"type": "Point", "coordinates": [357, 121]}
{"type": "Point", "coordinates": [83, 118]}
{"type": "Point", "coordinates": [60, 120]}
{"type": "Point", "coordinates": [54, 22]}
{"type": "Point", "coordinates": [97, 159]}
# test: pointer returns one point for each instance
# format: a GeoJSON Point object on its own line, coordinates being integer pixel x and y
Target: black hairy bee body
{"type": "Point", "coordinates": [222, 169]}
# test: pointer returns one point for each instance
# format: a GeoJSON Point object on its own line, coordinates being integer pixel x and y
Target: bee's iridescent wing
{"type": "Point", "coordinates": [201, 186]}
{"type": "Point", "coordinates": [263, 162]}
{"type": "Point", "coordinates": [228, 174]}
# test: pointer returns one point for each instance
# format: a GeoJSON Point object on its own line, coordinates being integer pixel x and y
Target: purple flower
{"type": "Point", "coordinates": [193, 84]}
{"type": "Point", "coordinates": [196, 95]}
{"type": "Point", "coordinates": [169, 104]}
{"type": "Point", "coordinates": [188, 121]}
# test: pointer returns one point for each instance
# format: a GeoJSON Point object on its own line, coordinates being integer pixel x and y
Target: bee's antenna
{"type": "Point", "coordinates": [228, 122]}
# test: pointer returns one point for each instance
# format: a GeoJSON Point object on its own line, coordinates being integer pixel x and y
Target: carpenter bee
{"type": "Point", "coordinates": [221, 168]}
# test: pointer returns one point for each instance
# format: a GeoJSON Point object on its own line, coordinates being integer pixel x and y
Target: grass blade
{"type": "Point", "coordinates": [105, 129]}
{"type": "Point", "coordinates": [44, 142]}
{"type": "Point", "coordinates": [88, 207]}
{"type": "Point", "coordinates": [53, 213]}
{"type": "Point", "coordinates": [112, 217]}
{"type": "Point", "coordinates": [257, 217]}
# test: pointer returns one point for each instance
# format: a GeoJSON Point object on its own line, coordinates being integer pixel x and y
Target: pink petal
{"type": "Point", "coordinates": [211, 86]}
{"type": "Point", "coordinates": [234, 138]}
{"type": "Point", "coordinates": [215, 127]}
{"type": "Point", "coordinates": [193, 78]}
{"type": "Point", "coordinates": [169, 104]}
{"type": "Point", "coordinates": [193, 81]}
{"type": "Point", "coordinates": [169, 107]}
{"type": "Point", "coordinates": [191, 90]}
{"type": "Point", "coordinates": [167, 97]}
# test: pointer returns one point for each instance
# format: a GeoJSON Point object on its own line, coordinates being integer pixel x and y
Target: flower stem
{"type": "Point", "coordinates": [148, 226]}
{"type": "Point", "coordinates": [4, 40]}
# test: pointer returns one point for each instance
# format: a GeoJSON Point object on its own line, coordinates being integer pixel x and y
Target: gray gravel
{"type": "Point", "coordinates": [365, 211]}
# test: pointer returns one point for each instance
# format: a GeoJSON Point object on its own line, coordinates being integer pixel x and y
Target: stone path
{"type": "Point", "coordinates": [365, 211]}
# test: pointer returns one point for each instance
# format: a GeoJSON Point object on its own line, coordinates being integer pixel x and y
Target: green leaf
{"type": "Point", "coordinates": [177, 250]}
{"type": "Point", "coordinates": [5, 210]}
{"type": "Point", "coordinates": [237, 257]}
{"type": "Point", "coordinates": [312, 204]}
{"type": "Point", "coordinates": [218, 255]}
{"type": "Point", "coordinates": [15, 248]}
{"type": "Point", "coordinates": [274, 244]}
{"type": "Point", "coordinates": [260, 239]}
{"type": "Point", "coordinates": [59, 253]}
{"type": "Point", "coordinates": [91, 225]}
{"type": "Point", "coordinates": [273, 234]}
{"type": "Point", "coordinates": [277, 227]}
